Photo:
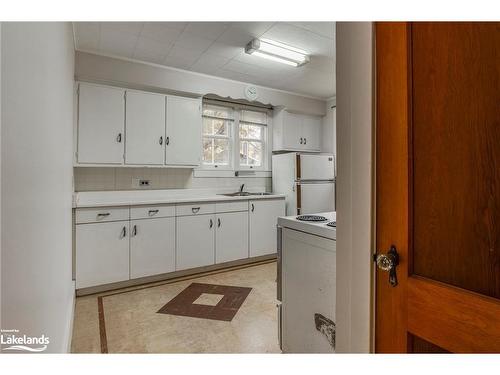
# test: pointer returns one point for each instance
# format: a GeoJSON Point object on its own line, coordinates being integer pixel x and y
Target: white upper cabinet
{"type": "Point", "coordinates": [292, 135]}
{"type": "Point", "coordinates": [296, 132]}
{"type": "Point", "coordinates": [311, 133]}
{"type": "Point", "coordinates": [145, 128]}
{"type": "Point", "coordinates": [183, 136]}
{"type": "Point", "coordinates": [101, 121]}
{"type": "Point", "coordinates": [129, 127]}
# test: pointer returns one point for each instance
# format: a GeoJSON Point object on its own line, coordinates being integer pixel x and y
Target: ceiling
{"type": "Point", "coordinates": [217, 48]}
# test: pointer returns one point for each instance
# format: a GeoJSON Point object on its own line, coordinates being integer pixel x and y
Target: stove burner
{"type": "Point", "coordinates": [311, 218]}
{"type": "Point", "coordinates": [332, 224]}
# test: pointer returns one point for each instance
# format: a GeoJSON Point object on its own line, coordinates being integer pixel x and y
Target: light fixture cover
{"type": "Point", "coordinates": [277, 51]}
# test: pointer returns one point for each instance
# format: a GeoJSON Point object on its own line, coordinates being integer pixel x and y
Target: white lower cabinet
{"type": "Point", "coordinates": [195, 241]}
{"type": "Point", "coordinates": [263, 216]}
{"type": "Point", "coordinates": [152, 247]}
{"type": "Point", "coordinates": [231, 237]}
{"type": "Point", "coordinates": [102, 253]}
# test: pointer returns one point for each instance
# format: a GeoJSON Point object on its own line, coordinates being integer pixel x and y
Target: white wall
{"type": "Point", "coordinates": [354, 186]}
{"type": "Point", "coordinates": [141, 75]}
{"type": "Point", "coordinates": [328, 140]}
{"type": "Point", "coordinates": [36, 175]}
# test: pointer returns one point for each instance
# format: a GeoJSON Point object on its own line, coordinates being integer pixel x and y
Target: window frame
{"type": "Point", "coordinates": [235, 140]}
{"type": "Point", "coordinates": [231, 124]}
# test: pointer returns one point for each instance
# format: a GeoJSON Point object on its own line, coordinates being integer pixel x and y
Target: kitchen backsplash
{"type": "Point", "coordinates": [99, 179]}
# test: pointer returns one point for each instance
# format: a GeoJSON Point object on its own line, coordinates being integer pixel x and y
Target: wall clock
{"type": "Point", "coordinates": [251, 93]}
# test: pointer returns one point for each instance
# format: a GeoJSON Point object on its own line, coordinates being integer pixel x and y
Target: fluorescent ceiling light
{"type": "Point", "coordinates": [277, 51]}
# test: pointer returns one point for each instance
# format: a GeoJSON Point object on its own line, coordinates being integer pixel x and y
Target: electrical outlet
{"type": "Point", "coordinates": [140, 183]}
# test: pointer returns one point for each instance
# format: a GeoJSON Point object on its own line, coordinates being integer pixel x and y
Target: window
{"type": "Point", "coordinates": [233, 138]}
{"type": "Point", "coordinates": [252, 131]}
{"type": "Point", "coordinates": [217, 128]}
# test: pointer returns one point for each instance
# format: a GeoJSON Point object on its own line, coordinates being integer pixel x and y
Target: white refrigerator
{"type": "Point", "coordinates": [307, 180]}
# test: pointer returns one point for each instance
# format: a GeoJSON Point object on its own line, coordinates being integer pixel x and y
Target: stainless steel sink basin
{"type": "Point", "coordinates": [244, 194]}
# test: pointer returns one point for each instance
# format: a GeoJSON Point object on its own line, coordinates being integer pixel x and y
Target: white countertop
{"type": "Point", "coordinates": [315, 228]}
{"type": "Point", "coordinates": [140, 197]}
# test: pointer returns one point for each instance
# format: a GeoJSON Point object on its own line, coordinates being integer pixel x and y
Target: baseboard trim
{"type": "Point", "coordinates": [173, 276]}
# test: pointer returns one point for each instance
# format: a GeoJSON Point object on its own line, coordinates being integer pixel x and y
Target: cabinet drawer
{"type": "Point", "coordinates": [148, 212]}
{"type": "Point", "coordinates": [103, 214]}
{"type": "Point", "coordinates": [231, 206]}
{"type": "Point", "coordinates": [194, 209]}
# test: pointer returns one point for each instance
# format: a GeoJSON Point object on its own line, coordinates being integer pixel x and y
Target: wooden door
{"type": "Point", "coordinates": [438, 186]}
{"type": "Point", "coordinates": [183, 143]}
{"type": "Point", "coordinates": [145, 128]}
{"type": "Point", "coordinates": [101, 122]}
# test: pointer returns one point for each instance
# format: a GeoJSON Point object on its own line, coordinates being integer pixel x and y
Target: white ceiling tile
{"type": "Point", "coordinates": [117, 43]}
{"type": "Point", "coordinates": [177, 62]}
{"type": "Point", "coordinates": [322, 28]}
{"type": "Point", "coordinates": [224, 50]}
{"type": "Point", "coordinates": [323, 63]}
{"type": "Point", "coordinates": [191, 41]}
{"type": "Point", "coordinates": [133, 28]}
{"type": "Point", "coordinates": [87, 35]}
{"type": "Point", "coordinates": [235, 37]}
{"type": "Point", "coordinates": [254, 29]}
{"type": "Point", "coordinates": [210, 61]}
{"type": "Point", "coordinates": [298, 37]}
{"type": "Point", "coordinates": [151, 50]}
{"type": "Point", "coordinates": [161, 32]}
{"type": "Point", "coordinates": [209, 30]}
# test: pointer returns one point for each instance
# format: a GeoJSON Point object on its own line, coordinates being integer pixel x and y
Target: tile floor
{"type": "Point", "coordinates": [130, 322]}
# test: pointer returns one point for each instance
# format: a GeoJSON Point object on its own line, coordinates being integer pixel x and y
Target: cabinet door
{"type": "Point", "coordinates": [102, 253]}
{"type": "Point", "coordinates": [145, 128]}
{"type": "Point", "coordinates": [263, 220]}
{"type": "Point", "coordinates": [231, 237]}
{"type": "Point", "coordinates": [101, 121]}
{"type": "Point", "coordinates": [152, 247]}
{"type": "Point", "coordinates": [311, 133]}
{"type": "Point", "coordinates": [292, 131]}
{"type": "Point", "coordinates": [195, 241]}
{"type": "Point", "coordinates": [183, 145]}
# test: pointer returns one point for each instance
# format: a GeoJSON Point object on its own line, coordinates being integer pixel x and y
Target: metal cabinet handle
{"type": "Point", "coordinates": [153, 212]}
{"type": "Point", "coordinates": [167, 141]}
{"type": "Point", "coordinates": [253, 207]}
{"type": "Point", "coordinates": [301, 140]}
{"type": "Point", "coordinates": [124, 232]}
{"type": "Point", "coordinates": [218, 222]}
{"type": "Point", "coordinates": [305, 141]}
{"type": "Point", "coordinates": [195, 210]}
{"type": "Point", "coordinates": [161, 140]}
{"type": "Point", "coordinates": [103, 214]}
{"type": "Point", "coordinates": [134, 232]}
{"type": "Point", "coordinates": [119, 138]}
{"type": "Point", "coordinates": [211, 223]}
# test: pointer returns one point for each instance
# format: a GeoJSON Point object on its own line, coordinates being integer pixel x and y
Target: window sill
{"type": "Point", "coordinates": [230, 173]}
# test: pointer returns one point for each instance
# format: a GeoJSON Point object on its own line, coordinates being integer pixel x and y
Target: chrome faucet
{"type": "Point", "coordinates": [241, 188]}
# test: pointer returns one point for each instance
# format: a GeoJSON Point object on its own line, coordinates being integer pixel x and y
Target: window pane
{"type": "Point", "coordinates": [215, 127]}
{"type": "Point", "coordinates": [216, 111]}
{"type": "Point", "coordinates": [253, 116]}
{"type": "Point", "coordinates": [208, 157]}
{"type": "Point", "coordinates": [251, 131]}
{"type": "Point", "coordinates": [221, 151]}
{"type": "Point", "coordinates": [251, 153]}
